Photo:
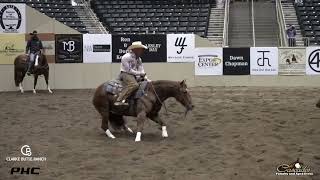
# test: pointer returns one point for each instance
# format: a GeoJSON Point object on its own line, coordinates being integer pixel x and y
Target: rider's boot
{"type": "Point", "coordinates": [121, 103]}
{"type": "Point", "coordinates": [29, 68]}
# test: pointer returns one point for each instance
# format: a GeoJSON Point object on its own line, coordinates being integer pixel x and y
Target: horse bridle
{"type": "Point", "coordinates": [161, 102]}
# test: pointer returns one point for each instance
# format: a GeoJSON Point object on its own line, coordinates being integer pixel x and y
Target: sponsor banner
{"type": "Point", "coordinates": [68, 48]}
{"type": "Point", "coordinates": [11, 46]}
{"type": "Point", "coordinates": [48, 43]}
{"type": "Point", "coordinates": [264, 61]}
{"type": "Point", "coordinates": [313, 60]}
{"type": "Point", "coordinates": [208, 61]}
{"type": "Point", "coordinates": [292, 61]}
{"type": "Point", "coordinates": [97, 48]}
{"type": "Point", "coordinates": [180, 47]}
{"type": "Point", "coordinates": [236, 61]}
{"type": "Point", "coordinates": [12, 18]}
{"type": "Point", "coordinates": [157, 46]}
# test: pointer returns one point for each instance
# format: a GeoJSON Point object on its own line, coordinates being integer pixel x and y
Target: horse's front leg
{"type": "Point", "coordinates": [35, 83]}
{"type": "Point", "coordinates": [21, 87]}
{"type": "Point", "coordinates": [46, 77]}
{"type": "Point", "coordinates": [163, 125]}
{"type": "Point", "coordinates": [141, 118]}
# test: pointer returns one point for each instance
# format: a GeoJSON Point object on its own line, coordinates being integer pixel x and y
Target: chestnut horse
{"type": "Point", "coordinates": [41, 67]}
{"type": "Point", "coordinates": [147, 106]}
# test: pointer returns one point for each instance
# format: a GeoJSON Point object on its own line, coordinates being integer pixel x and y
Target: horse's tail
{"type": "Point", "coordinates": [16, 73]}
{"type": "Point", "coordinates": [16, 77]}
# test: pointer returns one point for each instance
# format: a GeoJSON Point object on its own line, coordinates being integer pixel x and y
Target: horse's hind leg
{"type": "Point", "coordinates": [46, 77]}
{"type": "Point", "coordinates": [35, 83]}
{"type": "Point", "coordinates": [20, 79]}
{"type": "Point", "coordinates": [105, 126]}
{"type": "Point", "coordinates": [104, 112]}
{"type": "Point", "coordinates": [141, 118]}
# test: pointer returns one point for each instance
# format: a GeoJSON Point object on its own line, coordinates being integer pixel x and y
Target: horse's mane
{"type": "Point", "coordinates": [44, 61]}
{"type": "Point", "coordinates": [157, 82]}
{"type": "Point", "coordinates": [167, 82]}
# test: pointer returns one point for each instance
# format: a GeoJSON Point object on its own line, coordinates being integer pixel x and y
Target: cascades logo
{"type": "Point", "coordinates": [296, 168]}
{"type": "Point", "coordinates": [10, 19]}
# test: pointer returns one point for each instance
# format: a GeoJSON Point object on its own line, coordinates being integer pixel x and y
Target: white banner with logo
{"type": "Point", "coordinates": [264, 61]}
{"type": "Point", "coordinates": [313, 60]}
{"type": "Point", "coordinates": [292, 61]}
{"type": "Point", "coordinates": [208, 61]}
{"type": "Point", "coordinates": [12, 18]}
{"type": "Point", "coordinates": [97, 48]}
{"type": "Point", "coordinates": [180, 47]}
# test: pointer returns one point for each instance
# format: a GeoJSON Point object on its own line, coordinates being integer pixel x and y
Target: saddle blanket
{"type": "Point", "coordinates": [116, 86]}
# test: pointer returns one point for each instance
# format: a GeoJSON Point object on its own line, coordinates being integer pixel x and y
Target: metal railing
{"type": "Point", "coordinates": [226, 23]}
{"type": "Point", "coordinates": [282, 24]}
{"type": "Point", "coordinates": [93, 17]}
{"type": "Point", "coordinates": [292, 42]}
{"type": "Point", "coordinates": [252, 22]}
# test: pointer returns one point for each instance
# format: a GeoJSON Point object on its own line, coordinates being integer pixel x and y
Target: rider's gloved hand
{"type": "Point", "coordinates": [146, 78]}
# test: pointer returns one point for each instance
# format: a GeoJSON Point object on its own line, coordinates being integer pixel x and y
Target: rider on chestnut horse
{"type": "Point", "coordinates": [131, 71]}
{"type": "Point", "coordinates": [33, 49]}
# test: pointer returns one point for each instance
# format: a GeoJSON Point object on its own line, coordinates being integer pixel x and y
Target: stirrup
{"type": "Point", "coordinates": [121, 103]}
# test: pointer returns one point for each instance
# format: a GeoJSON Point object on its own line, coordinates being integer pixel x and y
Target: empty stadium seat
{"type": "Point", "coordinates": [308, 14]}
{"type": "Point", "coordinates": [61, 10]}
{"type": "Point", "coordinates": [165, 16]}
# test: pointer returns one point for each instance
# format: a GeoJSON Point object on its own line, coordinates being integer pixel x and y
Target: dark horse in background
{"type": "Point", "coordinates": [318, 104]}
{"type": "Point", "coordinates": [41, 67]}
{"type": "Point", "coordinates": [145, 107]}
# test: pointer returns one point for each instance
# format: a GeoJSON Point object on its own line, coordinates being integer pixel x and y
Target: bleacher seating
{"type": "Point", "coordinates": [61, 10]}
{"type": "Point", "coordinates": [308, 14]}
{"type": "Point", "coordinates": [148, 16]}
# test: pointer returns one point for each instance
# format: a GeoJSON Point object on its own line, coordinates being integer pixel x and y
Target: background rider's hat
{"type": "Point", "coordinates": [34, 32]}
{"type": "Point", "coordinates": [137, 44]}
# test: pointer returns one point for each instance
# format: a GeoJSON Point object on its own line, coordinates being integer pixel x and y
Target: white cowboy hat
{"type": "Point", "coordinates": [137, 44]}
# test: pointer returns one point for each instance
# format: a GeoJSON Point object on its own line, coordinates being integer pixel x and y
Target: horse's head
{"type": "Point", "coordinates": [183, 96]}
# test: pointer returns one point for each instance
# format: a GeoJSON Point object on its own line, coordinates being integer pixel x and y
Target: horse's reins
{"type": "Point", "coordinates": [161, 102]}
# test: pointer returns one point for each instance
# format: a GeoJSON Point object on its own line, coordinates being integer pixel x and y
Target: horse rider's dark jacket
{"type": "Point", "coordinates": [34, 45]}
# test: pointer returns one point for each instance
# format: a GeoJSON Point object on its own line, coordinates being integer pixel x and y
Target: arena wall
{"type": "Point", "coordinates": [84, 76]}
{"type": "Point", "coordinates": [44, 24]}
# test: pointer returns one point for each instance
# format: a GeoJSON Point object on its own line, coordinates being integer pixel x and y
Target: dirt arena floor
{"type": "Point", "coordinates": [234, 133]}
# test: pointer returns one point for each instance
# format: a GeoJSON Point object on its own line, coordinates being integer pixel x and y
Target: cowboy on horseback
{"type": "Point", "coordinates": [131, 71]}
{"type": "Point", "coordinates": [33, 49]}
